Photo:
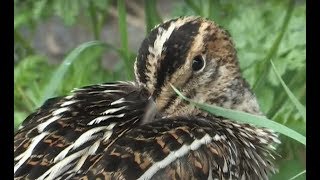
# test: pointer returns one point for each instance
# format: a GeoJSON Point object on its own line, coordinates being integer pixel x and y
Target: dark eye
{"type": "Point", "coordinates": [197, 63]}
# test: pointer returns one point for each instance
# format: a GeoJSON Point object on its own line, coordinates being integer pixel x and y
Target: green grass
{"type": "Point", "coordinates": [243, 117]}
{"type": "Point", "coordinates": [57, 77]}
{"type": "Point", "coordinates": [262, 31]}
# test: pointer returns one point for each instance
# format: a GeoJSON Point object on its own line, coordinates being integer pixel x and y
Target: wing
{"type": "Point", "coordinates": [187, 148]}
{"type": "Point", "coordinates": [68, 133]}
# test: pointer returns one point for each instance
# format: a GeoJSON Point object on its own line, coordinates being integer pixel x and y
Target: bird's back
{"type": "Point", "coordinates": [67, 134]}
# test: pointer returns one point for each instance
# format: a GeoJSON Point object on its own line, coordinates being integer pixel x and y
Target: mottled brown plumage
{"type": "Point", "coordinates": [142, 129]}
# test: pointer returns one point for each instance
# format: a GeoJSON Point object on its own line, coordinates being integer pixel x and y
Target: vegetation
{"type": "Point", "coordinates": [270, 38]}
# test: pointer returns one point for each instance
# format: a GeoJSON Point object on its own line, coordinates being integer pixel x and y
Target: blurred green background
{"type": "Point", "coordinates": [63, 44]}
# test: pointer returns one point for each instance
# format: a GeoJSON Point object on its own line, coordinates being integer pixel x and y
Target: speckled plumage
{"type": "Point", "coordinates": [142, 129]}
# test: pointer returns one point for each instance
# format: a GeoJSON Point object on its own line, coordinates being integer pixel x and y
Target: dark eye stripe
{"type": "Point", "coordinates": [176, 51]}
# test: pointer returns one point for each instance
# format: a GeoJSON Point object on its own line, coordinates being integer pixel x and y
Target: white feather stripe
{"type": "Point", "coordinates": [113, 110]}
{"type": "Point", "coordinates": [155, 50]}
{"type": "Point", "coordinates": [175, 155]}
{"type": "Point", "coordinates": [25, 155]}
{"type": "Point", "coordinates": [112, 91]}
{"type": "Point", "coordinates": [43, 125]}
{"type": "Point", "coordinates": [102, 118]}
{"type": "Point", "coordinates": [59, 111]}
{"type": "Point", "coordinates": [91, 151]}
{"type": "Point", "coordinates": [69, 97]}
{"type": "Point", "coordinates": [85, 137]}
{"type": "Point", "coordinates": [164, 35]}
{"type": "Point", "coordinates": [67, 103]}
{"type": "Point", "coordinates": [62, 166]}
{"type": "Point", "coordinates": [63, 153]}
{"type": "Point", "coordinates": [119, 101]}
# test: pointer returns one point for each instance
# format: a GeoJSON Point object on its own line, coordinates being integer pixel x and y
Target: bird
{"type": "Point", "coordinates": [142, 129]}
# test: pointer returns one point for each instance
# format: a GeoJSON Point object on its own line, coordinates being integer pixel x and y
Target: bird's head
{"type": "Point", "coordinates": [198, 57]}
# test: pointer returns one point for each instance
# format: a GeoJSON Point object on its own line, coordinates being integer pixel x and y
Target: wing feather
{"type": "Point", "coordinates": [185, 148]}
{"type": "Point", "coordinates": [67, 133]}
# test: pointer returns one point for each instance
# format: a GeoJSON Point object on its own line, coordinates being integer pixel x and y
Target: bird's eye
{"type": "Point", "coordinates": [197, 63]}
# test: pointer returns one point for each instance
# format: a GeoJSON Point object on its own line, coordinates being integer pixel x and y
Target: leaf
{"type": "Point", "coordinates": [240, 116]}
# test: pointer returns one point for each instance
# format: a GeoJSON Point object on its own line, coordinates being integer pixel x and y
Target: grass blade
{"type": "Point", "coordinates": [240, 116]}
{"type": "Point", "coordinates": [210, 9]}
{"type": "Point", "coordinates": [94, 20]}
{"type": "Point", "coordinates": [279, 102]}
{"type": "Point", "coordinates": [58, 75]}
{"type": "Point", "coordinates": [124, 37]}
{"type": "Point", "coordinates": [299, 106]}
{"type": "Point", "coordinates": [299, 174]}
{"type": "Point", "coordinates": [152, 16]}
{"type": "Point", "coordinates": [274, 49]}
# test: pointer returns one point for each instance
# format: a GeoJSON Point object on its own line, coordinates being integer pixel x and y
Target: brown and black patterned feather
{"type": "Point", "coordinates": [186, 148]}
{"type": "Point", "coordinates": [76, 117]}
